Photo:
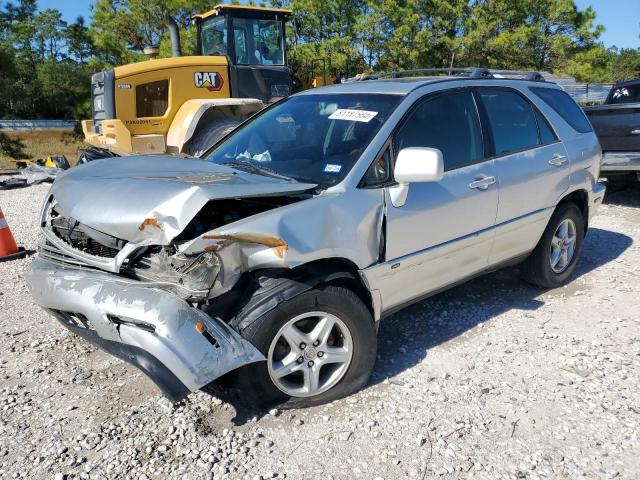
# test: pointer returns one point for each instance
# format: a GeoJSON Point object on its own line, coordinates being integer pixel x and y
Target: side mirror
{"type": "Point", "coordinates": [415, 165]}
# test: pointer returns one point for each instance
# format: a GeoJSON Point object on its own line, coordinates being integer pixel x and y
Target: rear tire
{"type": "Point", "coordinates": [547, 266]}
{"type": "Point", "coordinates": [258, 383]}
{"type": "Point", "coordinates": [208, 135]}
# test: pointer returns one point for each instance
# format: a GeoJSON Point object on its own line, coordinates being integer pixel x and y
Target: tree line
{"type": "Point", "coordinates": [46, 63]}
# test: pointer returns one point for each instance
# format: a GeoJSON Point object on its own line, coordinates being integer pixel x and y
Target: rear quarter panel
{"type": "Point", "coordinates": [583, 150]}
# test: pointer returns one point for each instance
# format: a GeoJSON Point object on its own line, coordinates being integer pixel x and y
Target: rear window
{"type": "Point", "coordinates": [564, 106]}
{"type": "Point", "coordinates": [625, 94]}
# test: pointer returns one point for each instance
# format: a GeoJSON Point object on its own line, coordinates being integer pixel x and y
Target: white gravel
{"type": "Point", "coordinates": [491, 380]}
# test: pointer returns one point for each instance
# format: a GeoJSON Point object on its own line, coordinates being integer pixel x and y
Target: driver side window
{"type": "Point", "coordinates": [448, 122]}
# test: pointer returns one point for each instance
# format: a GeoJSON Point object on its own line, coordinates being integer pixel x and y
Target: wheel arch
{"type": "Point", "coordinates": [260, 291]}
{"type": "Point", "coordinates": [193, 114]}
{"type": "Point", "coordinates": [340, 272]}
{"type": "Point", "coordinates": [580, 198]}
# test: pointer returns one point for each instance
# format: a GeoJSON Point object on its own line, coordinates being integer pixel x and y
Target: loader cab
{"type": "Point", "coordinates": [253, 40]}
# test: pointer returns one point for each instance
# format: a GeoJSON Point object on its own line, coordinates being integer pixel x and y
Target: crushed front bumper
{"type": "Point", "coordinates": [150, 328]}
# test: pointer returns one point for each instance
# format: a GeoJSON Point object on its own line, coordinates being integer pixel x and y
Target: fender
{"type": "Point", "coordinates": [192, 112]}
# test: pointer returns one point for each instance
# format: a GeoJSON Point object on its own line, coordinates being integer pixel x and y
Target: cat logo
{"type": "Point", "coordinates": [212, 81]}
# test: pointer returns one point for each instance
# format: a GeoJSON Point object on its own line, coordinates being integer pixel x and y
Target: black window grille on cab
{"type": "Point", "coordinates": [152, 99]}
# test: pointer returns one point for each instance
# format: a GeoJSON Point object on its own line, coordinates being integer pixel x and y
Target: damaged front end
{"type": "Point", "coordinates": [133, 291]}
{"type": "Point", "coordinates": [148, 267]}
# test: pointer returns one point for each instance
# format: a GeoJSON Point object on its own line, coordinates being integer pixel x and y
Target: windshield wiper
{"type": "Point", "coordinates": [253, 168]}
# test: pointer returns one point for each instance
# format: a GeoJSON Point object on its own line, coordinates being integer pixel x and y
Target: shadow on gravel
{"type": "Point", "coordinates": [626, 197]}
{"type": "Point", "coordinates": [405, 338]}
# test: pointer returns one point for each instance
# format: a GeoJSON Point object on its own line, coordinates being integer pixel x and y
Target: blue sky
{"type": "Point", "coordinates": [620, 17]}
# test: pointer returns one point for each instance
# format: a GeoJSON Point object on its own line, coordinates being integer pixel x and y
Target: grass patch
{"type": "Point", "coordinates": [40, 144]}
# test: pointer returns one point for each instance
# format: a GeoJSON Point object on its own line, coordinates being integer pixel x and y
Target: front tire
{"type": "Point", "coordinates": [555, 257]}
{"type": "Point", "coordinates": [320, 346]}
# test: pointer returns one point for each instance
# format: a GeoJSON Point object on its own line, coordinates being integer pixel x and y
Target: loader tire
{"type": "Point", "coordinates": [208, 135]}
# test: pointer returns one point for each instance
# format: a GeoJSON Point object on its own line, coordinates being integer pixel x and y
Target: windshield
{"type": "Point", "coordinates": [626, 94]}
{"type": "Point", "coordinates": [310, 138]}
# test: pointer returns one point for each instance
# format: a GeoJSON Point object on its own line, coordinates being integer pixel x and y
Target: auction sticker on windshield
{"type": "Point", "coordinates": [332, 168]}
{"type": "Point", "coordinates": [353, 115]}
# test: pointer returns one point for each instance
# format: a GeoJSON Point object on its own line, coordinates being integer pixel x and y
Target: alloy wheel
{"type": "Point", "coordinates": [563, 246]}
{"type": "Point", "coordinates": [310, 354]}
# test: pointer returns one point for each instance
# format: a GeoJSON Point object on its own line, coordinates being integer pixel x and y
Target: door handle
{"type": "Point", "coordinates": [482, 182]}
{"type": "Point", "coordinates": [558, 160]}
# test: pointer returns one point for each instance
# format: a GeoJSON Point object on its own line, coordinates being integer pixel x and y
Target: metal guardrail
{"type": "Point", "coordinates": [22, 125]}
{"type": "Point", "coordinates": [588, 92]}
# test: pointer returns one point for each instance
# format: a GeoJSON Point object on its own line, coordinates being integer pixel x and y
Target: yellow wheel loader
{"type": "Point", "coordinates": [183, 105]}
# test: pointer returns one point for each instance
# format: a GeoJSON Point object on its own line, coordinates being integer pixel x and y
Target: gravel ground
{"type": "Point", "coordinates": [493, 379]}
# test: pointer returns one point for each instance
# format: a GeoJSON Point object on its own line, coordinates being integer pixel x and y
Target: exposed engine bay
{"type": "Point", "coordinates": [192, 276]}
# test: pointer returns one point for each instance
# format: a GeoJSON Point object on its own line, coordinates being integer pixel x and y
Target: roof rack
{"type": "Point", "coordinates": [471, 72]}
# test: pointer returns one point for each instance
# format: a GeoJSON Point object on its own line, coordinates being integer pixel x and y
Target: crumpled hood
{"type": "Point", "coordinates": [152, 198]}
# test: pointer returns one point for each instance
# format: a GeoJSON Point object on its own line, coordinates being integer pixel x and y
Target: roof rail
{"type": "Point", "coordinates": [470, 72]}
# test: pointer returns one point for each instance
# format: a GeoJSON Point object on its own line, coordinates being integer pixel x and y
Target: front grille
{"type": "Point", "coordinates": [83, 238]}
{"type": "Point", "coordinates": [53, 254]}
{"type": "Point", "coordinates": [80, 241]}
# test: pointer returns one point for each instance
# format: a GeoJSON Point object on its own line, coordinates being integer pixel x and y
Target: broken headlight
{"type": "Point", "coordinates": [189, 276]}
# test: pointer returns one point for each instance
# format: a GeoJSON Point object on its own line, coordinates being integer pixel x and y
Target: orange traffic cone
{"type": "Point", "coordinates": [8, 248]}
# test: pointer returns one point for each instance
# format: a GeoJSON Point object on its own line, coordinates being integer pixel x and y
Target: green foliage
{"type": "Point", "coordinates": [381, 35]}
{"type": "Point", "coordinates": [625, 64]}
{"type": "Point", "coordinates": [122, 26]}
{"type": "Point", "coordinates": [44, 63]}
{"type": "Point", "coordinates": [540, 35]}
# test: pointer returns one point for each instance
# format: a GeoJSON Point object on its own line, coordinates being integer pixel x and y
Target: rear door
{"type": "Point", "coordinates": [442, 233]}
{"type": "Point", "coordinates": [532, 169]}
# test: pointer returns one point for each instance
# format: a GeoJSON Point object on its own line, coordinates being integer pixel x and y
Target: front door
{"type": "Point", "coordinates": [443, 233]}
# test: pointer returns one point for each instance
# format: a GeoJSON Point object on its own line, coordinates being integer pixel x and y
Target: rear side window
{"type": "Point", "coordinates": [511, 119]}
{"type": "Point", "coordinates": [152, 99]}
{"type": "Point", "coordinates": [564, 106]}
{"type": "Point", "coordinates": [449, 123]}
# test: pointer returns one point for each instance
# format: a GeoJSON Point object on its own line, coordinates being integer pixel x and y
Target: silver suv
{"type": "Point", "coordinates": [276, 254]}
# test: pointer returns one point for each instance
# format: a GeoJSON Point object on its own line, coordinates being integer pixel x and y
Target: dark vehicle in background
{"type": "Point", "coordinates": [617, 124]}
